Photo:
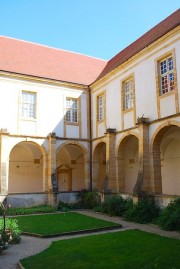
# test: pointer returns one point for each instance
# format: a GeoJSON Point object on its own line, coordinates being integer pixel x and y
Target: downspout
{"type": "Point", "coordinates": [90, 139]}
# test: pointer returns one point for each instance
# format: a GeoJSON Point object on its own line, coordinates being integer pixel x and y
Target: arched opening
{"type": "Point", "coordinates": [70, 168]}
{"type": "Point", "coordinates": [128, 163]}
{"type": "Point", "coordinates": [25, 168]}
{"type": "Point", "coordinates": [166, 161]}
{"type": "Point", "coordinates": [99, 167]}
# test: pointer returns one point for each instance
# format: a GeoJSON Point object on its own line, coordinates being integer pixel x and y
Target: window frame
{"type": "Point", "coordinates": [101, 103]}
{"type": "Point", "coordinates": [28, 107]}
{"type": "Point", "coordinates": [174, 92]}
{"type": "Point", "coordinates": [125, 109]}
{"type": "Point", "coordinates": [128, 105]}
{"type": "Point", "coordinates": [71, 110]}
{"type": "Point", "coordinates": [165, 77]}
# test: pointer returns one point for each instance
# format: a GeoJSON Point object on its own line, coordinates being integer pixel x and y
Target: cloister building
{"type": "Point", "coordinates": [70, 122]}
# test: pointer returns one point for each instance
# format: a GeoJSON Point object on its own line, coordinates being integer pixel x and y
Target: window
{"type": "Point", "coordinates": [166, 71]}
{"type": "Point", "coordinates": [28, 108]}
{"type": "Point", "coordinates": [71, 110]}
{"type": "Point", "coordinates": [128, 93]}
{"type": "Point", "coordinates": [101, 107]}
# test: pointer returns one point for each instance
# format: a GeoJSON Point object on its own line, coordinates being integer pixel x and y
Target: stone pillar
{"type": "Point", "coordinates": [143, 184]}
{"type": "Point", "coordinates": [111, 160]}
{"type": "Point", "coordinates": [4, 161]}
{"type": "Point", "coordinates": [45, 173]}
{"type": "Point", "coordinates": [120, 175]}
{"type": "Point", "coordinates": [95, 174]}
{"type": "Point", "coordinates": [52, 176]}
{"type": "Point", "coordinates": [87, 175]}
{"type": "Point", "coordinates": [157, 177]}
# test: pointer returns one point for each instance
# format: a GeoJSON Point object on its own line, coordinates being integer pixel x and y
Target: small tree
{"type": "Point", "coordinates": [9, 230]}
{"type": "Point", "coordinates": [3, 235]}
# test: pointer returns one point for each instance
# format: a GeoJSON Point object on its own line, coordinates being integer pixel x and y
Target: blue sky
{"type": "Point", "coordinates": [100, 28]}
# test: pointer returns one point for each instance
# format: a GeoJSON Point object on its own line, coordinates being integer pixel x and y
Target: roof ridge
{"type": "Point", "coordinates": [146, 39]}
{"type": "Point", "coordinates": [50, 47]}
{"type": "Point", "coordinates": [146, 33]}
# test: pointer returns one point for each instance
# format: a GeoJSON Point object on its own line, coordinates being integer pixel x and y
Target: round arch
{"type": "Point", "coordinates": [78, 145]}
{"type": "Point", "coordinates": [103, 140]}
{"type": "Point", "coordinates": [72, 166]}
{"type": "Point", "coordinates": [130, 133]}
{"type": "Point", "coordinates": [99, 166]}
{"type": "Point", "coordinates": [127, 155]}
{"type": "Point", "coordinates": [27, 166]}
{"type": "Point", "coordinates": [165, 151]}
{"type": "Point", "coordinates": [161, 129]}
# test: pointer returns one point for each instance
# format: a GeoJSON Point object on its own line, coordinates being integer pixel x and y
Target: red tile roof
{"type": "Point", "coordinates": [27, 58]}
{"type": "Point", "coordinates": [148, 38]}
{"type": "Point", "coordinates": [37, 60]}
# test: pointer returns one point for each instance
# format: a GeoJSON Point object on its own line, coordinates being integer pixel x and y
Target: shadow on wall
{"type": "Point", "coordinates": [28, 161]}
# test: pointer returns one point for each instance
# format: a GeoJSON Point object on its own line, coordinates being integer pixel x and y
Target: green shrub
{"type": "Point", "coordinates": [12, 229]}
{"type": "Point", "coordinates": [144, 211]}
{"type": "Point", "coordinates": [11, 234]}
{"type": "Point", "coordinates": [88, 199]}
{"type": "Point", "coordinates": [30, 210]}
{"type": "Point", "coordinates": [169, 218]}
{"type": "Point", "coordinates": [114, 206]}
{"type": "Point", "coordinates": [65, 207]}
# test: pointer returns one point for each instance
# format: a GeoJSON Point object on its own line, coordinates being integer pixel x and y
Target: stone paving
{"type": "Point", "coordinates": [32, 245]}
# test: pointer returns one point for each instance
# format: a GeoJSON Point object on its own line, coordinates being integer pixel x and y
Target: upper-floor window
{"type": "Point", "coordinates": [128, 93]}
{"type": "Point", "coordinates": [166, 71]}
{"type": "Point", "coordinates": [101, 107]}
{"type": "Point", "coordinates": [71, 110]}
{"type": "Point", "coordinates": [28, 108]}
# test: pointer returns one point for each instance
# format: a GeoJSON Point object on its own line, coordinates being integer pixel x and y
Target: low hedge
{"type": "Point", "coordinates": [30, 210]}
{"type": "Point", "coordinates": [169, 219]}
{"type": "Point", "coordinates": [143, 212]}
{"type": "Point", "coordinates": [114, 206]}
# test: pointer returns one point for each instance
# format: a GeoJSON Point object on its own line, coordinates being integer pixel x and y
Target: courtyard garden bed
{"type": "Point", "coordinates": [126, 250]}
{"type": "Point", "coordinates": [56, 224]}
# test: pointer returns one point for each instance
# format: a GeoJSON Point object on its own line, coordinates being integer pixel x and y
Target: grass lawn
{"type": "Point", "coordinates": [132, 249]}
{"type": "Point", "coordinates": [59, 223]}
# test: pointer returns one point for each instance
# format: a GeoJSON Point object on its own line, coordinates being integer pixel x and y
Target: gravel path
{"type": "Point", "coordinates": [32, 245]}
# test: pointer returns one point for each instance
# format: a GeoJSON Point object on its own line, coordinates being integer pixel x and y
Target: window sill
{"type": "Point", "coordinates": [72, 123]}
{"type": "Point", "coordinates": [128, 110]}
{"type": "Point", "coordinates": [167, 94]}
{"type": "Point", "coordinates": [100, 121]}
{"type": "Point", "coordinates": [28, 119]}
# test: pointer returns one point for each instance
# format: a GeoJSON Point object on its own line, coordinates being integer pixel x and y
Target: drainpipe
{"type": "Point", "coordinates": [90, 138]}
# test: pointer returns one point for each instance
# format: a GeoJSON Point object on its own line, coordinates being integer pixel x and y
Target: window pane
{"type": "Point", "coordinates": [101, 107]}
{"type": "Point", "coordinates": [163, 67]}
{"type": "Point", "coordinates": [171, 81]}
{"type": "Point", "coordinates": [68, 102]}
{"type": "Point", "coordinates": [128, 94]}
{"type": "Point", "coordinates": [71, 110]}
{"type": "Point", "coordinates": [68, 115]}
{"type": "Point", "coordinates": [164, 84]}
{"type": "Point", "coordinates": [28, 107]}
{"type": "Point", "coordinates": [166, 75]}
{"type": "Point", "coordinates": [170, 63]}
{"type": "Point", "coordinates": [24, 110]}
{"type": "Point", "coordinates": [74, 103]}
{"type": "Point", "coordinates": [74, 115]}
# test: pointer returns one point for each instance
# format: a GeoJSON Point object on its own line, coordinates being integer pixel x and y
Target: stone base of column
{"type": "Point", "coordinates": [143, 196]}
{"type": "Point", "coordinates": [53, 199]}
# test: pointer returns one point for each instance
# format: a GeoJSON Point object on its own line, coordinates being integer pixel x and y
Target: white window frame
{"type": "Point", "coordinates": [28, 105]}
{"type": "Point", "coordinates": [166, 74]}
{"type": "Point", "coordinates": [101, 107]}
{"type": "Point", "coordinates": [128, 92]}
{"type": "Point", "coordinates": [71, 115]}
